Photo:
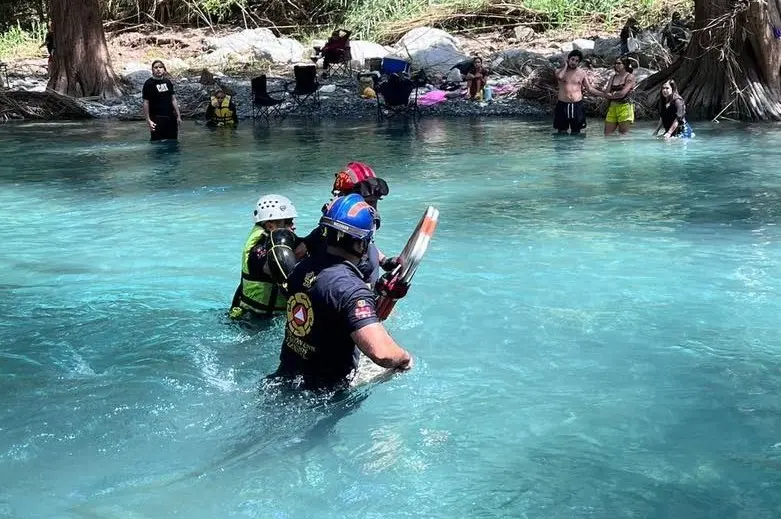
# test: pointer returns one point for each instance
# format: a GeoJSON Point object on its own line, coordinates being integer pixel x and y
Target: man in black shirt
{"type": "Point", "coordinates": [160, 107]}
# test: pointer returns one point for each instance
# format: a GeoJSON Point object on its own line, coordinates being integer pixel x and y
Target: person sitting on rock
{"type": "Point", "coordinates": [221, 111]}
{"type": "Point", "coordinates": [475, 79]}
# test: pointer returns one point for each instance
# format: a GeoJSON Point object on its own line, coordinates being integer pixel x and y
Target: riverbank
{"type": "Point", "coordinates": [522, 63]}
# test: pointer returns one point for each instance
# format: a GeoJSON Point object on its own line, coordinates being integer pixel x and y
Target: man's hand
{"type": "Point", "coordinates": [392, 287]}
{"type": "Point", "coordinates": [388, 264]}
{"type": "Point", "coordinates": [151, 124]}
{"type": "Point", "coordinates": [407, 365]}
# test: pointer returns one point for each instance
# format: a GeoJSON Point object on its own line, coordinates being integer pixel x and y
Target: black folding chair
{"type": "Point", "coordinates": [305, 89]}
{"type": "Point", "coordinates": [262, 102]}
{"type": "Point", "coordinates": [393, 97]}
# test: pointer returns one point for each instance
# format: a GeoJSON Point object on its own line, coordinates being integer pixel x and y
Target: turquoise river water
{"type": "Point", "coordinates": [595, 326]}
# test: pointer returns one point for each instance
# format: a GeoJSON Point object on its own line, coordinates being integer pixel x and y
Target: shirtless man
{"type": "Point", "coordinates": [570, 113]}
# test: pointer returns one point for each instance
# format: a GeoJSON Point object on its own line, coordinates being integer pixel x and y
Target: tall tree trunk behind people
{"type": "Point", "coordinates": [732, 66]}
{"type": "Point", "coordinates": [82, 66]}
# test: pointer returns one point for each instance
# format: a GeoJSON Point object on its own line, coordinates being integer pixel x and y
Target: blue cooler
{"type": "Point", "coordinates": [394, 66]}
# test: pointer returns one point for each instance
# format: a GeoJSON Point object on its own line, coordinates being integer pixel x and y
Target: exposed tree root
{"type": "Point", "coordinates": [17, 105]}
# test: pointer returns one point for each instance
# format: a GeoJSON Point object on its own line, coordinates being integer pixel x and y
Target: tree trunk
{"type": "Point", "coordinates": [82, 66]}
{"type": "Point", "coordinates": [732, 66]}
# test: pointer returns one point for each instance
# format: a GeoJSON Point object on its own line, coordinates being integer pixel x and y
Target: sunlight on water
{"type": "Point", "coordinates": [594, 325]}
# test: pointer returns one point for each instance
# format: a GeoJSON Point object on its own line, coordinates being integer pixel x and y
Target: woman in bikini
{"type": "Point", "coordinates": [620, 110]}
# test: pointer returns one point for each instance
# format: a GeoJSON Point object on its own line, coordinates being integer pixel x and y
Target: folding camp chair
{"type": "Point", "coordinates": [337, 58]}
{"type": "Point", "coordinates": [393, 97]}
{"type": "Point", "coordinates": [262, 102]}
{"type": "Point", "coordinates": [305, 89]}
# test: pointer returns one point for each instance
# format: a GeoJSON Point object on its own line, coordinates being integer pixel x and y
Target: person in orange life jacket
{"type": "Point", "coordinates": [331, 313]}
{"type": "Point", "coordinates": [360, 179]}
{"type": "Point", "coordinates": [221, 111]}
{"type": "Point", "coordinates": [267, 259]}
{"type": "Point", "coordinates": [161, 109]}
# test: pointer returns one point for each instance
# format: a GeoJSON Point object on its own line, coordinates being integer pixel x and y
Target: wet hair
{"type": "Point", "coordinates": [160, 62]}
{"type": "Point", "coordinates": [673, 96]}
{"type": "Point", "coordinates": [575, 53]}
{"type": "Point", "coordinates": [629, 63]}
{"type": "Point", "coordinates": [673, 86]}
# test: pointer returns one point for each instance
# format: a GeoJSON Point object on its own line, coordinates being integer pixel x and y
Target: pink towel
{"type": "Point", "coordinates": [432, 98]}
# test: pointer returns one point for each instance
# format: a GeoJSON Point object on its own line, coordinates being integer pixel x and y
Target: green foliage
{"type": "Point", "coordinates": [610, 13]}
{"type": "Point", "coordinates": [369, 19]}
{"type": "Point", "coordinates": [17, 42]}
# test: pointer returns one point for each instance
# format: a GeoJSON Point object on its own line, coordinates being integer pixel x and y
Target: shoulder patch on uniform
{"type": "Point", "coordinates": [362, 309]}
{"type": "Point", "coordinates": [309, 280]}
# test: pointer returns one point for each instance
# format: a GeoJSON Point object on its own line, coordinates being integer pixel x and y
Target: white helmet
{"type": "Point", "coordinates": [274, 207]}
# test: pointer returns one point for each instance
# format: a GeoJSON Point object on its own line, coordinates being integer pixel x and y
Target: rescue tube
{"type": "Point", "coordinates": [409, 260]}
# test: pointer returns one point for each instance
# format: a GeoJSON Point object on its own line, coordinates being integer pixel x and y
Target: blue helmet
{"type": "Point", "coordinates": [351, 215]}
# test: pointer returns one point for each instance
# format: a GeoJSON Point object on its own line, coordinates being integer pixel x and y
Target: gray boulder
{"type": "Point", "coordinates": [250, 45]}
{"type": "Point", "coordinates": [607, 48]}
{"type": "Point", "coordinates": [362, 50]}
{"type": "Point", "coordinates": [524, 33]}
{"type": "Point", "coordinates": [516, 61]}
{"type": "Point", "coordinates": [432, 50]}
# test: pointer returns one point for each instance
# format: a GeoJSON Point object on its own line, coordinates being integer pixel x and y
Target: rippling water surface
{"type": "Point", "coordinates": [595, 326]}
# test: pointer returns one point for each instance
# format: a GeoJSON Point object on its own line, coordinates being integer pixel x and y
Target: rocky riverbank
{"type": "Point", "coordinates": [522, 65]}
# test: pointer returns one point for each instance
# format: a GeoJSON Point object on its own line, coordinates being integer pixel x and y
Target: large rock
{"type": "Point", "coordinates": [252, 44]}
{"type": "Point", "coordinates": [607, 48]}
{"type": "Point", "coordinates": [432, 50]}
{"type": "Point", "coordinates": [583, 45]}
{"type": "Point", "coordinates": [524, 33]}
{"type": "Point", "coordinates": [362, 50]}
{"type": "Point", "coordinates": [516, 61]}
{"type": "Point", "coordinates": [137, 78]}
{"type": "Point", "coordinates": [650, 53]}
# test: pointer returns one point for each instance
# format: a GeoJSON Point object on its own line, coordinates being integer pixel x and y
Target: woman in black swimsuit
{"type": "Point", "coordinates": [672, 113]}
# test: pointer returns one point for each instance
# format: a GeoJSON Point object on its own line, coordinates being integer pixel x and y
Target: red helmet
{"type": "Point", "coordinates": [347, 178]}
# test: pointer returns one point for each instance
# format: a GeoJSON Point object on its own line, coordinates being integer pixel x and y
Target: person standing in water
{"type": "Point", "coordinates": [672, 113]}
{"type": "Point", "coordinates": [161, 110]}
{"type": "Point", "coordinates": [570, 113]}
{"type": "Point", "coordinates": [618, 90]}
{"type": "Point", "coordinates": [355, 178]}
{"type": "Point", "coordinates": [260, 290]}
{"type": "Point", "coordinates": [331, 313]}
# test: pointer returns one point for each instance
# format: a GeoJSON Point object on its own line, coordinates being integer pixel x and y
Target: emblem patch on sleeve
{"type": "Point", "coordinates": [363, 310]}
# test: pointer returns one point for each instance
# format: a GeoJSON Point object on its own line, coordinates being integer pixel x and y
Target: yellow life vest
{"type": "Point", "coordinates": [259, 293]}
{"type": "Point", "coordinates": [223, 115]}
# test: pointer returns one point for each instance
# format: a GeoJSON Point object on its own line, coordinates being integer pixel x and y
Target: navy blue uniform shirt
{"type": "Point", "coordinates": [328, 301]}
